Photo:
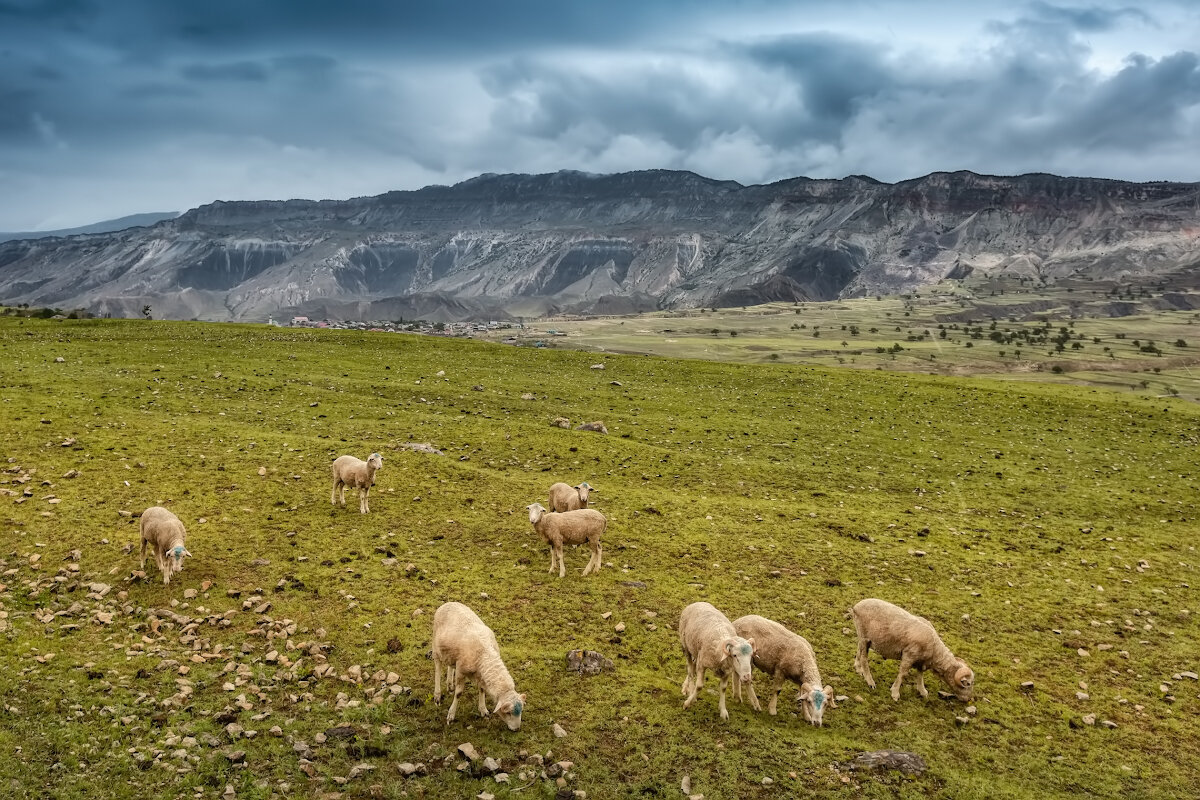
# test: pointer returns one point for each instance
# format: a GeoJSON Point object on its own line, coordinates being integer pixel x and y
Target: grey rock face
{"type": "Point", "coordinates": [524, 245]}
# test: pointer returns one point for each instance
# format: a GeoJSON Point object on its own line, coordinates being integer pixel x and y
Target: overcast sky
{"type": "Point", "coordinates": [112, 107]}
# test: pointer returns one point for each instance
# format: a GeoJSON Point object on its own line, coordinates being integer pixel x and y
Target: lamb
{"type": "Point", "coordinates": [358, 474]}
{"type": "Point", "coordinates": [569, 498]}
{"type": "Point", "coordinates": [467, 648]}
{"type": "Point", "coordinates": [895, 633]}
{"type": "Point", "coordinates": [163, 531]}
{"type": "Point", "coordinates": [709, 641]}
{"type": "Point", "coordinates": [785, 656]}
{"type": "Point", "coordinates": [569, 527]}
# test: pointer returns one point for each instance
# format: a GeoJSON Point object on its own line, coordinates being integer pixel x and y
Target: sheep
{"type": "Point", "coordinates": [895, 633]}
{"type": "Point", "coordinates": [785, 656]}
{"type": "Point", "coordinates": [163, 531]}
{"type": "Point", "coordinates": [709, 641]}
{"type": "Point", "coordinates": [353, 472]}
{"type": "Point", "coordinates": [569, 527]}
{"type": "Point", "coordinates": [467, 648]}
{"type": "Point", "coordinates": [569, 498]}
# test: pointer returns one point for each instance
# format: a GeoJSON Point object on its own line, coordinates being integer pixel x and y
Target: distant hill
{"type": "Point", "coordinates": [527, 245]}
{"type": "Point", "coordinates": [107, 226]}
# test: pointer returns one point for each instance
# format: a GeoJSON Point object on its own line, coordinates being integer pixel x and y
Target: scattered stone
{"type": "Point", "coordinates": [529, 396]}
{"type": "Point", "coordinates": [767, 781]}
{"type": "Point", "coordinates": [1027, 686]}
{"type": "Point", "coordinates": [686, 784]}
{"type": "Point", "coordinates": [558, 731]}
{"type": "Point", "coordinates": [190, 594]}
{"type": "Point", "coordinates": [909, 763]}
{"type": "Point", "coordinates": [587, 662]}
{"type": "Point", "coordinates": [233, 730]}
{"type": "Point", "coordinates": [597, 366]}
{"type": "Point", "coordinates": [597, 426]}
{"type": "Point", "coordinates": [260, 562]}
{"type": "Point", "coordinates": [235, 756]}
{"type": "Point", "coordinates": [341, 732]}
{"type": "Point", "coordinates": [560, 422]}
{"type": "Point", "coordinates": [408, 769]}
{"type": "Point", "coordinates": [1089, 719]}
{"type": "Point", "coordinates": [468, 751]}
{"type": "Point", "coordinates": [619, 627]}
{"type": "Point", "coordinates": [491, 766]}
{"type": "Point", "coordinates": [1108, 723]}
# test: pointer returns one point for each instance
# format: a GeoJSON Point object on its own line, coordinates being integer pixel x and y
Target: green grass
{"type": "Point", "coordinates": [1032, 503]}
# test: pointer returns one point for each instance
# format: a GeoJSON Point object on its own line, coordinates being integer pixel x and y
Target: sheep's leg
{"type": "Point", "coordinates": [757, 706]}
{"type": "Point", "coordinates": [906, 662]}
{"type": "Point", "coordinates": [483, 709]}
{"type": "Point", "coordinates": [687, 682]}
{"type": "Point", "coordinates": [333, 494]}
{"type": "Point", "coordinates": [721, 704]}
{"type": "Point", "coordinates": [776, 689]}
{"type": "Point", "coordinates": [921, 690]}
{"type": "Point", "coordinates": [562, 564]}
{"type": "Point", "coordinates": [553, 558]}
{"type": "Point", "coordinates": [363, 505]}
{"type": "Point", "coordinates": [143, 566]}
{"type": "Point", "coordinates": [437, 680]}
{"type": "Point", "coordinates": [162, 567]}
{"type": "Point", "coordinates": [697, 680]}
{"type": "Point", "coordinates": [457, 684]}
{"type": "Point", "coordinates": [862, 664]}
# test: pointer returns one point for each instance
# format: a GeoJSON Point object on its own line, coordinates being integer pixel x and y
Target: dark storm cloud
{"type": "Point", "coordinates": [179, 103]}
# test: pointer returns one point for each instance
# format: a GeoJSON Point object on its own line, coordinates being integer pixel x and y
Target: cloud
{"type": "Point", "coordinates": [306, 98]}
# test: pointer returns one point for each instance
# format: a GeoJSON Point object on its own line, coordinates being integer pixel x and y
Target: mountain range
{"type": "Point", "coordinates": [502, 246]}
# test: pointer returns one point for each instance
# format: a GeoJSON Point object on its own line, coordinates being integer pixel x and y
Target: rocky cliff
{"type": "Point", "coordinates": [503, 245]}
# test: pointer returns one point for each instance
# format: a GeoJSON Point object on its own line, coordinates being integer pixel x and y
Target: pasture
{"type": "Point", "coordinates": [1048, 531]}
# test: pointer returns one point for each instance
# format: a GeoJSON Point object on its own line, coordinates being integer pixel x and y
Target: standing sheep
{"type": "Point", "coordinates": [709, 641]}
{"type": "Point", "coordinates": [785, 656]}
{"type": "Point", "coordinates": [163, 531]}
{"type": "Point", "coordinates": [569, 498]}
{"type": "Point", "coordinates": [467, 648]}
{"type": "Point", "coordinates": [895, 633]}
{"type": "Point", "coordinates": [356, 473]}
{"type": "Point", "coordinates": [569, 527]}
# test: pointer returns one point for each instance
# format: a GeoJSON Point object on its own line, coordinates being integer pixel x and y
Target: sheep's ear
{"type": "Point", "coordinates": [186, 553]}
{"type": "Point", "coordinates": [730, 646]}
{"type": "Point", "coordinates": [828, 690]}
{"type": "Point", "coordinates": [522, 696]}
{"type": "Point", "coordinates": [753, 649]}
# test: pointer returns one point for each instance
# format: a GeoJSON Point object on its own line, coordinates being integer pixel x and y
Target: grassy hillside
{"type": "Point", "coordinates": [1052, 334]}
{"type": "Point", "coordinates": [1047, 531]}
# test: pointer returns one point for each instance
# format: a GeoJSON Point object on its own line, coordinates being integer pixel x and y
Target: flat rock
{"type": "Point", "coordinates": [909, 763]}
{"type": "Point", "coordinates": [468, 751]}
{"type": "Point", "coordinates": [558, 731]}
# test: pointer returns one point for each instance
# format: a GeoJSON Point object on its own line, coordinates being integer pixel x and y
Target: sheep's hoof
{"type": "Point", "coordinates": [895, 695]}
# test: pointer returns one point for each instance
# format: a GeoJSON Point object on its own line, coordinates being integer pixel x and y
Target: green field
{"type": "Point", "coordinates": [1053, 334]}
{"type": "Point", "coordinates": [1047, 530]}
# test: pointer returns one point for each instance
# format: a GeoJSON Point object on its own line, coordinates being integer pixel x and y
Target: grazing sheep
{"type": "Point", "coordinates": [356, 473]}
{"type": "Point", "coordinates": [467, 648]}
{"type": "Point", "coordinates": [569, 498]}
{"type": "Point", "coordinates": [569, 527]}
{"type": "Point", "coordinates": [709, 641]}
{"type": "Point", "coordinates": [163, 531]}
{"type": "Point", "coordinates": [895, 633]}
{"type": "Point", "coordinates": [785, 656]}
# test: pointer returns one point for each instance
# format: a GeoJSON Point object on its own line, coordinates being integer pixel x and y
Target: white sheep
{"type": "Point", "coordinates": [709, 641]}
{"type": "Point", "coordinates": [467, 648]}
{"type": "Point", "coordinates": [895, 633]}
{"type": "Point", "coordinates": [569, 527]}
{"type": "Point", "coordinates": [358, 474]}
{"type": "Point", "coordinates": [163, 531]}
{"type": "Point", "coordinates": [569, 498]}
{"type": "Point", "coordinates": [785, 656]}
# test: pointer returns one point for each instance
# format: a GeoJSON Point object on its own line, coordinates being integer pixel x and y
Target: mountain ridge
{"type": "Point", "coordinates": [581, 241]}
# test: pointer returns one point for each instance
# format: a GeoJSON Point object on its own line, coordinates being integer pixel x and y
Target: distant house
{"type": "Point", "coordinates": [301, 321]}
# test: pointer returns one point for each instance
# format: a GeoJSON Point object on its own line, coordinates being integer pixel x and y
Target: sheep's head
{"type": "Point", "coordinates": [535, 512]}
{"type": "Point", "coordinates": [375, 461]}
{"type": "Point", "coordinates": [175, 558]}
{"type": "Point", "coordinates": [509, 709]}
{"type": "Point", "coordinates": [741, 651]}
{"type": "Point", "coordinates": [963, 683]}
{"type": "Point", "coordinates": [583, 490]}
{"type": "Point", "coordinates": [814, 701]}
